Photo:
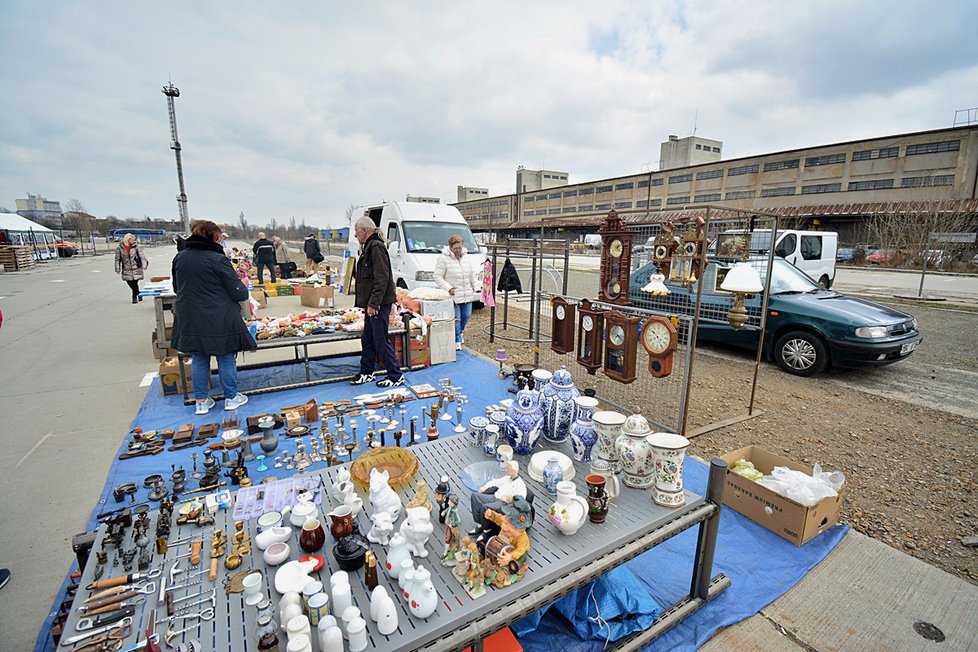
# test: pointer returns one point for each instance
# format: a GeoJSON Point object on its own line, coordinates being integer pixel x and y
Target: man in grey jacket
{"type": "Point", "coordinates": [375, 294]}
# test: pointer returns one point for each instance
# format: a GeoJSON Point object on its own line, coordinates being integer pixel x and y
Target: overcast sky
{"type": "Point", "coordinates": [304, 108]}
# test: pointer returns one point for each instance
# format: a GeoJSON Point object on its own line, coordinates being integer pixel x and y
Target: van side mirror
{"type": "Point", "coordinates": [394, 247]}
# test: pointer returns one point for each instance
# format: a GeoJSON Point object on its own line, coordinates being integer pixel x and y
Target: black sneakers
{"type": "Point", "coordinates": [387, 382]}
{"type": "Point", "coordinates": [362, 379]}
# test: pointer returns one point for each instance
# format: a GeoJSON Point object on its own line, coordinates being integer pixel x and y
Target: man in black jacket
{"type": "Point", "coordinates": [313, 254]}
{"type": "Point", "coordinates": [375, 294]}
{"type": "Point", "coordinates": [264, 252]}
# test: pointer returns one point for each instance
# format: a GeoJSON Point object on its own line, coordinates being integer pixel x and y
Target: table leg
{"type": "Point", "coordinates": [706, 540]}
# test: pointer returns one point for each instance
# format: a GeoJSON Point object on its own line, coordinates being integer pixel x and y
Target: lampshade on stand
{"type": "Point", "coordinates": [742, 279]}
{"type": "Point", "coordinates": [501, 359]}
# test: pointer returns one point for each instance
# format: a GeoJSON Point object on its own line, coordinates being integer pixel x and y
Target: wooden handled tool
{"type": "Point", "coordinates": [111, 599]}
{"type": "Point", "coordinates": [123, 579]}
{"type": "Point", "coordinates": [169, 604]}
{"type": "Point", "coordinates": [212, 575]}
{"type": "Point", "coordinates": [195, 553]}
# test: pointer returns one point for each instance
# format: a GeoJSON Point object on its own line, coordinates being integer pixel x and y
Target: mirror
{"type": "Point", "coordinates": [393, 248]}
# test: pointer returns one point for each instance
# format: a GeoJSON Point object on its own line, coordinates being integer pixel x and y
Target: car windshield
{"type": "Point", "coordinates": [432, 237]}
{"type": "Point", "coordinates": [787, 278]}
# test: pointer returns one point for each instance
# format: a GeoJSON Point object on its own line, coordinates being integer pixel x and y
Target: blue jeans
{"type": "Point", "coordinates": [227, 371]}
{"type": "Point", "coordinates": [462, 313]}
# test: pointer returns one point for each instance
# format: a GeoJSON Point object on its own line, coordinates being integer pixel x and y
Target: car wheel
{"type": "Point", "coordinates": [824, 282]}
{"type": "Point", "coordinates": [801, 353]}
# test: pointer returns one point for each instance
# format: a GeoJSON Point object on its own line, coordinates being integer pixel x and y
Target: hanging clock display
{"type": "Point", "coordinates": [686, 260]}
{"type": "Point", "coordinates": [590, 336]}
{"type": "Point", "coordinates": [562, 326]}
{"type": "Point", "coordinates": [616, 259]}
{"type": "Point", "coordinates": [620, 345]}
{"type": "Point", "coordinates": [660, 338]}
{"type": "Point", "coordinates": [663, 247]}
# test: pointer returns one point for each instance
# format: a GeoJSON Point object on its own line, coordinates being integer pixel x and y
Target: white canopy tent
{"type": "Point", "coordinates": [17, 230]}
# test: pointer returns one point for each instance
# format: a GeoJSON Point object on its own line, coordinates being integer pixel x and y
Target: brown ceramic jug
{"type": "Point", "coordinates": [341, 522]}
{"type": "Point", "coordinates": [312, 536]}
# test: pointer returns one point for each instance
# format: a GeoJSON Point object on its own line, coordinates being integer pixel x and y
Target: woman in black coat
{"type": "Point", "coordinates": [207, 315]}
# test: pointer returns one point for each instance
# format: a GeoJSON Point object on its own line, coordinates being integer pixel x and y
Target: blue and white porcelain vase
{"type": "Point", "coordinates": [524, 422]}
{"type": "Point", "coordinates": [553, 473]}
{"type": "Point", "coordinates": [557, 403]}
{"type": "Point", "coordinates": [583, 436]}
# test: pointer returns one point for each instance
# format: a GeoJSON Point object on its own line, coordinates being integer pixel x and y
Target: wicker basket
{"type": "Point", "coordinates": [399, 463]}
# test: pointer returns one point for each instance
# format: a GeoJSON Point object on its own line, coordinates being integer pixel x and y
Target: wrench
{"type": "Point", "coordinates": [71, 640]}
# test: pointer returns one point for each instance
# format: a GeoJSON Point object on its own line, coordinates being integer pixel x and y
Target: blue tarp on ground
{"type": "Point", "coordinates": [761, 565]}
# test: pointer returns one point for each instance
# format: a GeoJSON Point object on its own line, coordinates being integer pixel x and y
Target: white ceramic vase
{"type": "Point", "coordinates": [668, 450]}
{"type": "Point", "coordinates": [569, 511]}
{"type": "Point", "coordinates": [608, 426]}
{"type": "Point", "coordinates": [633, 448]}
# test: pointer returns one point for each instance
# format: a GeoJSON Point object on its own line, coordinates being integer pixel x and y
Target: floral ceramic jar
{"type": "Point", "coordinates": [524, 422]}
{"type": "Point", "coordinates": [569, 511]}
{"type": "Point", "coordinates": [635, 453]}
{"type": "Point", "coordinates": [553, 474]}
{"type": "Point", "coordinates": [557, 402]}
{"type": "Point", "coordinates": [668, 451]}
{"type": "Point", "coordinates": [582, 433]}
{"type": "Point", "coordinates": [608, 426]}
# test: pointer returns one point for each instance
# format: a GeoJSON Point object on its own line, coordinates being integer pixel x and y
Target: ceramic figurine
{"type": "Point", "coordinates": [553, 473]}
{"type": "Point", "coordinates": [420, 497]}
{"type": "Point", "coordinates": [441, 491]}
{"type": "Point", "coordinates": [474, 577]}
{"type": "Point", "coordinates": [382, 497]}
{"type": "Point", "coordinates": [346, 495]}
{"type": "Point", "coordinates": [452, 520]}
{"type": "Point", "coordinates": [422, 597]}
{"type": "Point", "coordinates": [582, 433]}
{"type": "Point", "coordinates": [524, 422]}
{"type": "Point", "coordinates": [462, 556]}
{"type": "Point", "coordinates": [381, 529]}
{"type": "Point", "coordinates": [608, 426]}
{"type": "Point", "coordinates": [569, 511]}
{"type": "Point", "coordinates": [557, 403]}
{"type": "Point", "coordinates": [397, 552]}
{"type": "Point", "coordinates": [668, 451]}
{"type": "Point", "coordinates": [506, 551]}
{"type": "Point", "coordinates": [635, 453]}
{"type": "Point", "coordinates": [416, 529]}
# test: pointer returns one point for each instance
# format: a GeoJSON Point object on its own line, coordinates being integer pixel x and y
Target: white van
{"type": "Point", "coordinates": [416, 234]}
{"type": "Point", "coordinates": [813, 252]}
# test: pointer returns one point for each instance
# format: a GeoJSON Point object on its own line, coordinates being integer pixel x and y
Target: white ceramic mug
{"type": "Point", "coordinates": [504, 454]}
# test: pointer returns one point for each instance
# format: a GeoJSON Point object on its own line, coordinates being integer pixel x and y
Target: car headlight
{"type": "Point", "coordinates": [424, 276]}
{"type": "Point", "coordinates": [915, 324]}
{"type": "Point", "coordinates": [871, 331]}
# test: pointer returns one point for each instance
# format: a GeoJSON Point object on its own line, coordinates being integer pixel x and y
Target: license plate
{"type": "Point", "coordinates": [908, 347]}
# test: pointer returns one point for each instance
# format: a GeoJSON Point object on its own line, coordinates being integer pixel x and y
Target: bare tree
{"type": "Point", "coordinates": [912, 227]}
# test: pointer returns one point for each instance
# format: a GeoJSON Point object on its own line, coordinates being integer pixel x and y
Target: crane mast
{"type": "Point", "coordinates": [171, 92]}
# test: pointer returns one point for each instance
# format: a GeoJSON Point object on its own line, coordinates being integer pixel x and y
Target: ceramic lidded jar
{"type": "Point", "coordinates": [635, 453]}
{"type": "Point", "coordinates": [524, 422]}
{"type": "Point", "coordinates": [608, 426]}
{"type": "Point", "coordinates": [582, 433]}
{"type": "Point", "coordinates": [557, 403]}
{"type": "Point", "coordinates": [477, 430]}
{"type": "Point", "coordinates": [397, 552]}
{"type": "Point", "coordinates": [422, 597]}
{"type": "Point", "coordinates": [569, 511]}
{"type": "Point", "coordinates": [668, 451]}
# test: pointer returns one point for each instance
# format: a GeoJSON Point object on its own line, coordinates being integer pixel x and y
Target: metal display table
{"type": "Point", "coordinates": [558, 564]}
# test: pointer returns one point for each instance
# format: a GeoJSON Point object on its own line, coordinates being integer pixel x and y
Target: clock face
{"type": "Point", "coordinates": [661, 251]}
{"type": "Point", "coordinates": [689, 249]}
{"type": "Point", "coordinates": [616, 248]}
{"type": "Point", "coordinates": [617, 335]}
{"type": "Point", "coordinates": [614, 289]}
{"type": "Point", "coordinates": [657, 337]}
{"type": "Point", "coordinates": [560, 312]}
{"type": "Point", "coordinates": [587, 323]}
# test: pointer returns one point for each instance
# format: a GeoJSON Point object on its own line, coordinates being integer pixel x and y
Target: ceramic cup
{"type": "Point", "coordinates": [504, 454]}
{"type": "Point", "coordinates": [603, 468]}
{"type": "Point", "coordinates": [312, 588]}
{"type": "Point", "coordinates": [318, 606]}
{"type": "Point", "coordinates": [252, 589]}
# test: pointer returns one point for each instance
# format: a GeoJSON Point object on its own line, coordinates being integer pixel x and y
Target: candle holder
{"type": "Point", "coordinates": [461, 400]}
{"type": "Point", "coordinates": [501, 359]}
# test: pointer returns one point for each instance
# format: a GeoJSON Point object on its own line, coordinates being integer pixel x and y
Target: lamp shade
{"type": "Point", "coordinates": [501, 355]}
{"type": "Point", "coordinates": [742, 278]}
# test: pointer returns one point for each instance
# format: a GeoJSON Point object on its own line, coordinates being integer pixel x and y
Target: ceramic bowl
{"type": "Point", "coordinates": [478, 473]}
{"type": "Point", "coordinates": [276, 553]}
{"type": "Point", "coordinates": [539, 460]}
{"type": "Point", "coordinates": [269, 519]}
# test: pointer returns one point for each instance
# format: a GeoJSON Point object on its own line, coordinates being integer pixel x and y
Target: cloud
{"type": "Point", "coordinates": [300, 108]}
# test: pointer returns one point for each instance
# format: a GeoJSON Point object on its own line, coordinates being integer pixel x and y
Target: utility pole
{"type": "Point", "coordinates": [171, 92]}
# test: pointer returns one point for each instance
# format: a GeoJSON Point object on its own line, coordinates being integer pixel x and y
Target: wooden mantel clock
{"type": "Point", "coordinates": [660, 338]}
{"type": "Point", "coordinates": [620, 346]}
{"type": "Point", "coordinates": [562, 326]}
{"type": "Point", "coordinates": [616, 259]}
{"type": "Point", "coordinates": [590, 336]}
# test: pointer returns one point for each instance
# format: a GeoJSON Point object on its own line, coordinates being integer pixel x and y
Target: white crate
{"type": "Point", "coordinates": [441, 341]}
{"type": "Point", "coordinates": [438, 310]}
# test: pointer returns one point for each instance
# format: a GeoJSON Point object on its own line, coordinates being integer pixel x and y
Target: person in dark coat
{"type": "Point", "coordinates": [264, 252]}
{"type": "Point", "coordinates": [207, 314]}
{"type": "Point", "coordinates": [375, 294]}
{"type": "Point", "coordinates": [314, 255]}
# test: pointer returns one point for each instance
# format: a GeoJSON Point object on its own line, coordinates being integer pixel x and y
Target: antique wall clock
{"type": "Point", "coordinates": [616, 260]}
{"type": "Point", "coordinates": [590, 336]}
{"type": "Point", "coordinates": [562, 326]}
{"type": "Point", "coordinates": [660, 338]}
{"type": "Point", "coordinates": [663, 247]}
{"type": "Point", "coordinates": [620, 345]}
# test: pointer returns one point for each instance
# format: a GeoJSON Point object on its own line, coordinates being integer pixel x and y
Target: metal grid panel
{"type": "Point", "coordinates": [553, 555]}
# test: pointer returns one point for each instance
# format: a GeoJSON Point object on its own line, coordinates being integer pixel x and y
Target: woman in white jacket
{"type": "Point", "coordinates": [457, 273]}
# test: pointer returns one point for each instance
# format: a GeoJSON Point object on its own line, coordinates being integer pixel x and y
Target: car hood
{"type": "Point", "coordinates": [841, 307]}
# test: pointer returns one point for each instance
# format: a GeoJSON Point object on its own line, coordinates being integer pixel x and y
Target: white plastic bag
{"type": "Point", "coordinates": [801, 487]}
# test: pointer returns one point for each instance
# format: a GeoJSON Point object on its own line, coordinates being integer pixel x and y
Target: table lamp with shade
{"type": "Point", "coordinates": [501, 359]}
{"type": "Point", "coordinates": [742, 279]}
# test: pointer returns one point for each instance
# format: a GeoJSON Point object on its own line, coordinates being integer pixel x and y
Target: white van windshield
{"type": "Point", "coordinates": [432, 237]}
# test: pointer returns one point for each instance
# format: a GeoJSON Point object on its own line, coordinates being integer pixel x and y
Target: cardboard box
{"type": "Point", "coordinates": [158, 352]}
{"type": "Point", "coordinates": [158, 279]}
{"type": "Point", "coordinates": [258, 295]}
{"type": "Point", "coordinates": [438, 310]}
{"type": "Point", "coordinates": [285, 290]}
{"type": "Point", "coordinates": [441, 341]}
{"type": "Point", "coordinates": [170, 381]}
{"type": "Point", "coordinates": [793, 521]}
{"type": "Point", "coordinates": [420, 354]}
{"type": "Point", "coordinates": [316, 297]}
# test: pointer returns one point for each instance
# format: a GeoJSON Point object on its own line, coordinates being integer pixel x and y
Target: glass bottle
{"type": "Point", "coordinates": [267, 634]}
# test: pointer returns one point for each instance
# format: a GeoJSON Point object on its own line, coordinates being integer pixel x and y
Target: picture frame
{"type": "Point", "coordinates": [721, 274]}
{"type": "Point", "coordinates": [733, 245]}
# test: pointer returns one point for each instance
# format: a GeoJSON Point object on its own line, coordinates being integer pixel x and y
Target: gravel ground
{"type": "Point", "coordinates": [911, 472]}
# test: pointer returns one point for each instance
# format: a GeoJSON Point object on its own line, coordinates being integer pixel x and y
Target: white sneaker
{"type": "Point", "coordinates": [458, 346]}
{"type": "Point", "coordinates": [235, 402]}
{"type": "Point", "coordinates": [203, 407]}
{"type": "Point", "coordinates": [387, 382]}
{"type": "Point", "coordinates": [362, 378]}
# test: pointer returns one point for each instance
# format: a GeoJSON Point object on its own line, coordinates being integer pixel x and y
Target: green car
{"type": "Point", "coordinates": [808, 328]}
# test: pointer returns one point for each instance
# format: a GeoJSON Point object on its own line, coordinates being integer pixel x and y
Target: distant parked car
{"type": "Point", "coordinates": [936, 257]}
{"type": "Point", "coordinates": [65, 249]}
{"type": "Point", "coordinates": [974, 260]}
{"type": "Point", "coordinates": [844, 255]}
{"type": "Point", "coordinates": [886, 257]}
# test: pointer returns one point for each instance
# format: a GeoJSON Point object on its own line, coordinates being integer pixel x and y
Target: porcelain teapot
{"type": "Point", "coordinates": [303, 510]}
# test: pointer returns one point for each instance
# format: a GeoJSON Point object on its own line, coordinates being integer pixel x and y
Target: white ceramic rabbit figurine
{"type": "Point", "coordinates": [347, 495]}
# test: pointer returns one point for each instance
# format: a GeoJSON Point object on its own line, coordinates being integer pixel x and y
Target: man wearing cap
{"type": "Point", "coordinates": [513, 520]}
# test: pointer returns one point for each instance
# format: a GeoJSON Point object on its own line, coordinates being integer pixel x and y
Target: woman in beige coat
{"type": "Point", "coordinates": [130, 263]}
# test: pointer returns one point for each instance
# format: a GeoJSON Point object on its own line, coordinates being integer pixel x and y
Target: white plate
{"type": "Point", "coordinates": [539, 460]}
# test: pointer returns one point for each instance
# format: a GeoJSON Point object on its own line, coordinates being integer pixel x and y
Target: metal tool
{"type": "Point", "coordinates": [172, 633]}
{"type": "Point", "coordinates": [184, 585]}
{"type": "Point", "coordinates": [71, 640]}
{"type": "Point", "coordinates": [138, 587]}
{"type": "Point", "coordinates": [124, 579]}
{"type": "Point", "coordinates": [140, 645]}
{"type": "Point", "coordinates": [193, 595]}
{"type": "Point", "coordinates": [206, 614]}
{"type": "Point", "coordinates": [87, 623]}
{"type": "Point", "coordinates": [114, 606]}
